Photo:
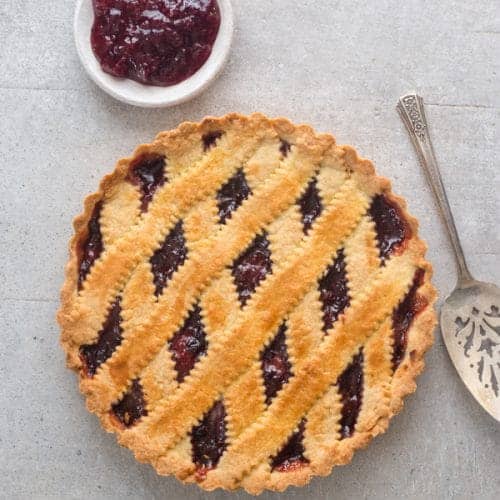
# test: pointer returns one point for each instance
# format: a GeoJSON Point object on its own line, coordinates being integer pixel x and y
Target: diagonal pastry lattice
{"type": "Point", "coordinates": [246, 303]}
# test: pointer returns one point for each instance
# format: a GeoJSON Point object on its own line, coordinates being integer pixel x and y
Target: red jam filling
{"type": "Point", "coordinates": [285, 148]}
{"type": "Point", "coordinates": [91, 249]}
{"type": "Point", "coordinates": [351, 391]}
{"type": "Point", "coordinates": [231, 195]}
{"type": "Point", "coordinates": [108, 339]}
{"type": "Point", "coordinates": [334, 293]}
{"type": "Point", "coordinates": [310, 205]}
{"type": "Point", "coordinates": [403, 316]}
{"type": "Point", "coordinates": [275, 365]}
{"type": "Point", "coordinates": [251, 267]}
{"type": "Point", "coordinates": [208, 439]}
{"type": "Point", "coordinates": [392, 229]}
{"type": "Point", "coordinates": [210, 139]}
{"type": "Point", "coordinates": [148, 172]}
{"type": "Point", "coordinates": [132, 406]}
{"type": "Point", "coordinates": [167, 259]}
{"type": "Point", "coordinates": [188, 344]}
{"type": "Point", "coordinates": [291, 456]}
{"type": "Point", "coordinates": [155, 42]}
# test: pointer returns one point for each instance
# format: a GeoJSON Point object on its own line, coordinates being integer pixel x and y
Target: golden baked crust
{"type": "Point", "coordinates": [279, 160]}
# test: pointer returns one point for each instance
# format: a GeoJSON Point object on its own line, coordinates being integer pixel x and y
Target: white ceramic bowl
{"type": "Point", "coordinates": [149, 96]}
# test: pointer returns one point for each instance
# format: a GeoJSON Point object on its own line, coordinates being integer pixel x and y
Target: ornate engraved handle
{"type": "Point", "coordinates": [411, 110]}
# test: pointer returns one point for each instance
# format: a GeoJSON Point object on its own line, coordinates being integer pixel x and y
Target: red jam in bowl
{"type": "Point", "coordinates": [155, 42]}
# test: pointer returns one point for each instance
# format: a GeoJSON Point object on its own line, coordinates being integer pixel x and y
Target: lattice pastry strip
{"type": "Point", "coordinates": [248, 382]}
{"type": "Point", "coordinates": [305, 325]}
{"type": "Point", "coordinates": [375, 370]}
{"type": "Point", "coordinates": [147, 173]}
{"type": "Point", "coordinates": [283, 234]}
{"type": "Point", "coordinates": [362, 243]}
{"type": "Point", "coordinates": [375, 367]}
{"type": "Point", "coordinates": [198, 225]}
{"type": "Point", "coordinates": [212, 256]}
{"type": "Point", "coordinates": [325, 264]}
{"type": "Point", "coordinates": [255, 171]}
{"type": "Point", "coordinates": [113, 216]}
{"type": "Point", "coordinates": [120, 211]}
{"type": "Point", "coordinates": [370, 368]}
{"type": "Point", "coordinates": [116, 263]}
{"type": "Point", "coordinates": [220, 300]}
{"type": "Point", "coordinates": [238, 347]}
{"type": "Point", "coordinates": [273, 364]}
{"type": "Point", "coordinates": [264, 438]}
{"type": "Point", "coordinates": [233, 290]}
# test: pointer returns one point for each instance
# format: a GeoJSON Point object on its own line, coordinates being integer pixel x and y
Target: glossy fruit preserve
{"type": "Point", "coordinates": [155, 42]}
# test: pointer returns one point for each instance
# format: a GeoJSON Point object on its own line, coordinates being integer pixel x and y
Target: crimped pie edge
{"type": "Point", "coordinates": [420, 333]}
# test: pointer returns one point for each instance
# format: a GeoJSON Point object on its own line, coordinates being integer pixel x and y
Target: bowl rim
{"type": "Point", "coordinates": [150, 96]}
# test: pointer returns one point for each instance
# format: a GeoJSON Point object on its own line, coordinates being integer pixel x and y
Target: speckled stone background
{"type": "Point", "coordinates": [339, 65]}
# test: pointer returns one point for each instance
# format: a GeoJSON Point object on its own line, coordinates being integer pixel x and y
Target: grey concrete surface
{"type": "Point", "coordinates": [339, 65]}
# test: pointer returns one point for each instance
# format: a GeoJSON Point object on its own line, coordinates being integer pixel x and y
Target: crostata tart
{"type": "Point", "coordinates": [246, 303]}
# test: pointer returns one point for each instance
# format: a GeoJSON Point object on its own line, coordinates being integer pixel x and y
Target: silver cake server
{"type": "Point", "coordinates": [470, 316]}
